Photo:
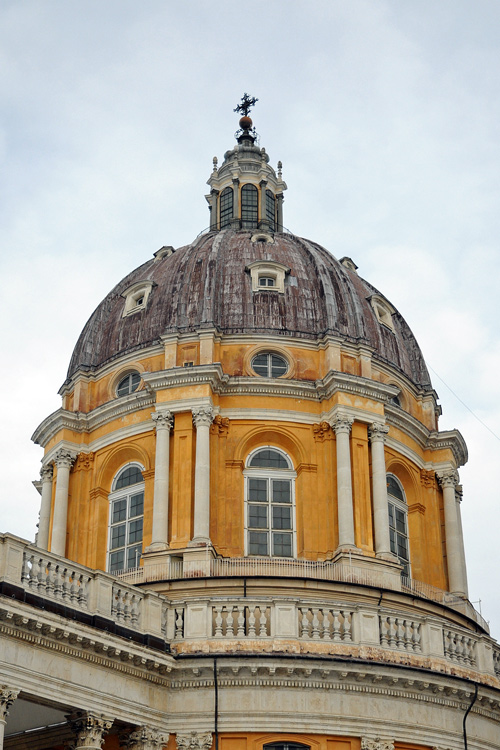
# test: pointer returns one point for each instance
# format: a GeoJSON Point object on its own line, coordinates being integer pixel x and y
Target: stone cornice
{"type": "Point", "coordinates": [452, 440]}
{"type": "Point", "coordinates": [335, 381]}
{"type": "Point", "coordinates": [187, 376]}
{"type": "Point", "coordinates": [82, 422]}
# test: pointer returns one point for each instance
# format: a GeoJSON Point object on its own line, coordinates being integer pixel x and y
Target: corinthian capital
{"type": "Point", "coordinates": [7, 697]}
{"type": "Point", "coordinates": [448, 478]}
{"type": "Point", "coordinates": [377, 432]}
{"type": "Point", "coordinates": [64, 459]}
{"type": "Point", "coordinates": [194, 741]}
{"type": "Point", "coordinates": [89, 729]}
{"type": "Point", "coordinates": [203, 416]}
{"type": "Point", "coordinates": [164, 420]}
{"type": "Point", "coordinates": [46, 473]}
{"type": "Point", "coordinates": [376, 744]}
{"type": "Point", "coordinates": [144, 738]}
{"type": "Point", "coordinates": [342, 423]}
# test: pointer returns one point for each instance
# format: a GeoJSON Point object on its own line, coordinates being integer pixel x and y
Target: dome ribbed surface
{"type": "Point", "coordinates": [205, 285]}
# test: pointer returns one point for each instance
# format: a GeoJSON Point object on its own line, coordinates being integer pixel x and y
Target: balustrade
{"type": "Point", "coordinates": [323, 623]}
{"type": "Point", "coordinates": [459, 647]}
{"type": "Point", "coordinates": [400, 633]}
{"type": "Point", "coordinates": [126, 607]}
{"type": "Point", "coordinates": [44, 576]}
{"type": "Point", "coordinates": [242, 620]}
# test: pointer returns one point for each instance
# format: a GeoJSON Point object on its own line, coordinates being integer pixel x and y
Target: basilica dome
{"type": "Point", "coordinates": [212, 284]}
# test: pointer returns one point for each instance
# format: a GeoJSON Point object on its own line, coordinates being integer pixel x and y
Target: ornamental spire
{"type": "Point", "coordinates": [246, 130]}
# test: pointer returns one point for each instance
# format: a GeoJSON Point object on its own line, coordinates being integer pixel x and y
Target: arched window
{"type": "Point", "coordinates": [270, 504]}
{"type": "Point", "coordinates": [270, 209]}
{"type": "Point", "coordinates": [126, 519]}
{"type": "Point", "coordinates": [249, 206]}
{"type": "Point", "coordinates": [398, 522]}
{"type": "Point", "coordinates": [226, 207]}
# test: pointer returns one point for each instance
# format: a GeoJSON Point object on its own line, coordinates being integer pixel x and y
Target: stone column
{"type": "Point", "coordinates": [342, 425]}
{"type": "Point", "coordinates": [262, 208]}
{"type": "Point", "coordinates": [46, 474]}
{"type": "Point", "coordinates": [64, 461]}
{"type": "Point", "coordinates": [377, 433]}
{"type": "Point", "coordinates": [279, 212]}
{"type": "Point", "coordinates": [164, 423]}
{"type": "Point", "coordinates": [454, 543]}
{"type": "Point", "coordinates": [7, 697]}
{"type": "Point", "coordinates": [202, 419]}
{"type": "Point", "coordinates": [236, 221]}
{"type": "Point", "coordinates": [194, 741]}
{"type": "Point", "coordinates": [458, 499]}
{"type": "Point", "coordinates": [144, 738]}
{"type": "Point", "coordinates": [89, 729]}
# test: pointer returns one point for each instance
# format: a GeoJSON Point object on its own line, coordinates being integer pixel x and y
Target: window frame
{"type": "Point", "coordinates": [261, 472]}
{"type": "Point", "coordinates": [226, 211]}
{"type": "Point", "coordinates": [118, 494]}
{"type": "Point", "coordinates": [269, 354]}
{"type": "Point", "coordinates": [401, 505]}
{"type": "Point", "coordinates": [249, 209]}
{"type": "Point", "coordinates": [124, 377]}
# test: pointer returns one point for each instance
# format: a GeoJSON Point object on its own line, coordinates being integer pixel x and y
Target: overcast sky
{"type": "Point", "coordinates": [386, 116]}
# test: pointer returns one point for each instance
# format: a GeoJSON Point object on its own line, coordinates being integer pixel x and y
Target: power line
{"type": "Point", "coordinates": [463, 402]}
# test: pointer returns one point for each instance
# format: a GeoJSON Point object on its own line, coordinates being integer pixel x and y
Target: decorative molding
{"type": "Point", "coordinates": [220, 426]}
{"type": "Point", "coordinates": [47, 473]}
{"type": "Point", "coordinates": [211, 374]}
{"type": "Point", "coordinates": [428, 479]}
{"type": "Point", "coordinates": [144, 738]}
{"type": "Point", "coordinates": [7, 697]}
{"type": "Point", "coordinates": [84, 461]}
{"type": "Point", "coordinates": [453, 440]}
{"type": "Point", "coordinates": [194, 741]}
{"type": "Point", "coordinates": [90, 729]}
{"type": "Point", "coordinates": [342, 423]}
{"type": "Point", "coordinates": [64, 459]}
{"type": "Point", "coordinates": [448, 478]}
{"type": "Point", "coordinates": [376, 744]}
{"type": "Point", "coordinates": [322, 431]}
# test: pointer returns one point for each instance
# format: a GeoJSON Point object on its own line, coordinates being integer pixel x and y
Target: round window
{"type": "Point", "coordinates": [269, 365]}
{"type": "Point", "coordinates": [128, 384]}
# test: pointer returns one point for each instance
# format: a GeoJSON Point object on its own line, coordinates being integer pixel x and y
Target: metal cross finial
{"type": "Point", "coordinates": [247, 102]}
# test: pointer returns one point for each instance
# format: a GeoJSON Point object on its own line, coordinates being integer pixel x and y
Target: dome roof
{"type": "Point", "coordinates": [207, 284]}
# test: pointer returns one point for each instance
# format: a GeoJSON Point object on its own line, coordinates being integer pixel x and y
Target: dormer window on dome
{"type": "Point", "coordinates": [246, 193]}
{"type": "Point", "coordinates": [267, 275]}
{"type": "Point", "coordinates": [383, 310]}
{"type": "Point", "coordinates": [136, 297]}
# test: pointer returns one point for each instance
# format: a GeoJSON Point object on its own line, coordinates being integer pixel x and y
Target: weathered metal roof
{"type": "Point", "coordinates": [205, 285]}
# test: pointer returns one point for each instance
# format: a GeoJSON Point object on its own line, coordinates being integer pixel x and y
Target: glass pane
{"type": "Point", "coordinates": [391, 515]}
{"type": "Point", "coordinates": [257, 490]}
{"type": "Point", "coordinates": [259, 364]}
{"type": "Point", "coordinates": [257, 517]}
{"type": "Point", "coordinates": [393, 541]}
{"type": "Point", "coordinates": [282, 517]}
{"type": "Point", "coordinates": [269, 459]}
{"type": "Point", "coordinates": [133, 556]}
{"type": "Point", "coordinates": [282, 545]}
{"type": "Point", "coordinates": [282, 491]}
{"type": "Point", "coordinates": [135, 378]}
{"type": "Point", "coordinates": [119, 511]}
{"type": "Point", "coordinates": [270, 208]}
{"type": "Point", "coordinates": [130, 475]}
{"type": "Point", "coordinates": [136, 505]}
{"type": "Point", "coordinates": [394, 489]}
{"type": "Point", "coordinates": [402, 547]}
{"type": "Point", "coordinates": [258, 543]}
{"type": "Point", "coordinates": [135, 531]}
{"type": "Point", "coordinates": [226, 207]}
{"type": "Point", "coordinates": [249, 210]}
{"type": "Point", "coordinates": [116, 561]}
{"type": "Point", "coordinates": [400, 521]}
{"type": "Point", "coordinates": [278, 366]}
{"type": "Point", "coordinates": [118, 536]}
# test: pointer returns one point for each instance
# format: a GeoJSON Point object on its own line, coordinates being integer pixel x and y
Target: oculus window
{"type": "Point", "coordinates": [270, 511]}
{"type": "Point", "coordinates": [126, 520]}
{"type": "Point", "coordinates": [128, 384]}
{"type": "Point", "coordinates": [398, 523]}
{"type": "Point", "coordinates": [269, 365]}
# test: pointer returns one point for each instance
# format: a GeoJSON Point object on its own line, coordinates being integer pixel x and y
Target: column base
{"type": "Point", "coordinates": [388, 557]}
{"type": "Point", "coordinates": [364, 569]}
{"type": "Point", "coordinates": [156, 547]}
{"type": "Point", "coordinates": [200, 541]}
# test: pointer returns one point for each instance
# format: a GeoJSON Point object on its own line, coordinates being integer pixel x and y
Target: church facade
{"type": "Point", "coordinates": [250, 533]}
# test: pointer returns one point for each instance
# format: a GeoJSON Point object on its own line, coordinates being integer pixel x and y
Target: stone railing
{"type": "Point", "coordinates": [41, 575]}
{"type": "Point", "coordinates": [343, 572]}
{"type": "Point", "coordinates": [496, 659]}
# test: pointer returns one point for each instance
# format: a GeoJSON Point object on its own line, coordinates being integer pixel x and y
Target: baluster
{"type": "Point", "coordinates": [58, 583]}
{"type": "Point", "coordinates": [25, 572]}
{"type": "Point", "coordinates": [73, 590]}
{"type": "Point", "coordinates": [315, 624]}
{"type": "Point", "coordinates": [459, 648]}
{"type": "Point", "coordinates": [400, 633]}
{"type": "Point", "coordinates": [35, 570]}
{"type": "Point", "coordinates": [347, 626]}
{"type": "Point", "coordinates": [65, 584]}
{"type": "Point", "coordinates": [218, 621]}
{"type": "Point", "coordinates": [229, 621]}
{"type": "Point", "coordinates": [417, 638]}
{"type": "Point", "coordinates": [83, 592]}
{"type": "Point", "coordinates": [126, 606]}
{"type": "Point", "coordinates": [241, 621]}
{"type": "Point", "coordinates": [263, 622]}
{"type": "Point", "coordinates": [324, 627]}
{"type": "Point", "coordinates": [49, 580]}
{"type": "Point", "coordinates": [134, 609]}
{"type": "Point", "coordinates": [251, 622]}
{"type": "Point", "coordinates": [384, 627]}
{"type": "Point", "coordinates": [409, 625]}
{"type": "Point", "coordinates": [392, 631]}
{"type": "Point", "coordinates": [304, 622]}
{"type": "Point", "coordinates": [337, 626]}
{"type": "Point", "coordinates": [472, 652]}
{"type": "Point", "coordinates": [179, 623]}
